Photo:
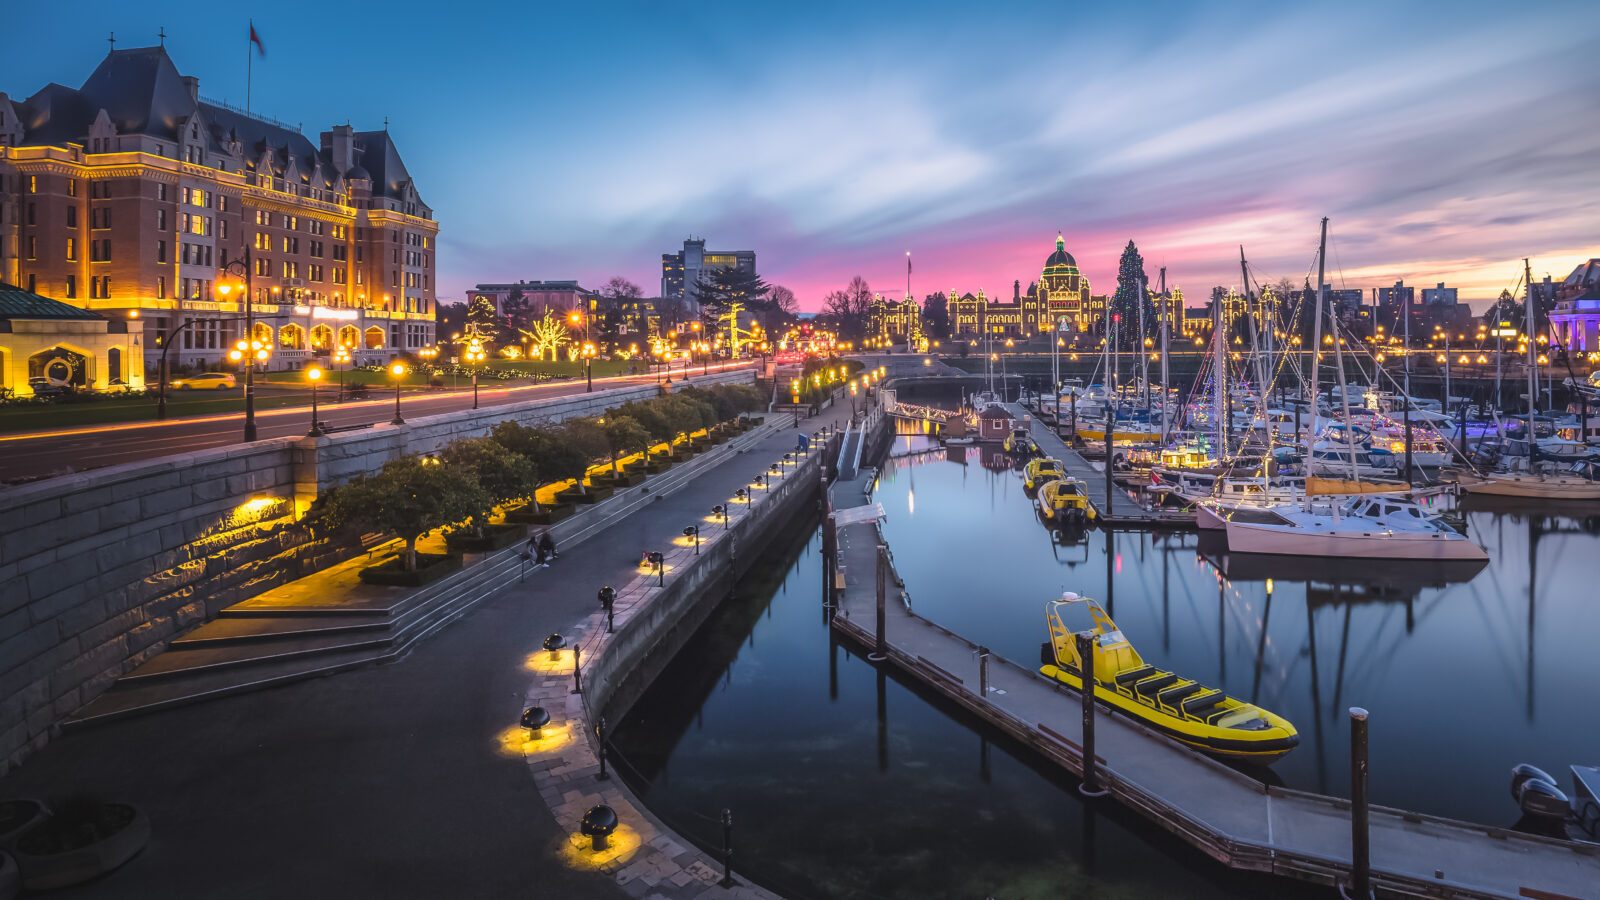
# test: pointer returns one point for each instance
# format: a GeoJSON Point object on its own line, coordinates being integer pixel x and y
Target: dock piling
{"type": "Point", "coordinates": [880, 652]}
{"type": "Point", "coordinates": [727, 849]}
{"type": "Point", "coordinates": [600, 736]}
{"type": "Point", "coordinates": [983, 673]}
{"type": "Point", "coordinates": [1089, 786]}
{"type": "Point", "coordinates": [1360, 857]}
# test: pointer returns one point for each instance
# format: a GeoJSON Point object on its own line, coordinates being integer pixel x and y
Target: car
{"type": "Point", "coordinates": [205, 381]}
{"type": "Point", "coordinates": [44, 387]}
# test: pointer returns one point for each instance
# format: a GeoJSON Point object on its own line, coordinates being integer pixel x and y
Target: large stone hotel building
{"type": "Point", "coordinates": [131, 194]}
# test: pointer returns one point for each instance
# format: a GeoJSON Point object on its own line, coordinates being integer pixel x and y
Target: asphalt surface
{"type": "Point", "coordinates": [40, 454]}
{"type": "Point", "coordinates": [381, 782]}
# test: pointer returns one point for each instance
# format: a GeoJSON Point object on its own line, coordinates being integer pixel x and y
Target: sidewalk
{"type": "Point", "coordinates": [386, 781]}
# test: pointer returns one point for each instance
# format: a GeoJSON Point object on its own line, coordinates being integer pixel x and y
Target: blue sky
{"type": "Point", "coordinates": [1445, 140]}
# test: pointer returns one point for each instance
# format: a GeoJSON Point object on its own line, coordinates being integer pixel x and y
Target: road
{"type": "Point", "coordinates": [47, 453]}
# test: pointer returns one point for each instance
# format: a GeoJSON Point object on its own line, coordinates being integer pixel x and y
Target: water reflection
{"type": "Point", "coordinates": [1467, 670]}
{"type": "Point", "coordinates": [848, 782]}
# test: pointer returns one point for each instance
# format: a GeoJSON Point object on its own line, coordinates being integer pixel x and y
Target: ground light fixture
{"type": "Point", "coordinates": [554, 643]}
{"type": "Point", "coordinates": [761, 482]}
{"type": "Point", "coordinates": [694, 532]}
{"type": "Point", "coordinates": [721, 512]}
{"type": "Point", "coordinates": [597, 825]}
{"type": "Point", "coordinates": [533, 719]}
{"type": "Point", "coordinates": [742, 495]}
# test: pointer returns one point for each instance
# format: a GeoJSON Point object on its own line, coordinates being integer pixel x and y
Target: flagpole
{"type": "Point", "coordinates": [249, 65]}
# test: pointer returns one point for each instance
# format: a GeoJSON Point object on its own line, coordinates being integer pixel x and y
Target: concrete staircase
{"type": "Point", "coordinates": [268, 641]}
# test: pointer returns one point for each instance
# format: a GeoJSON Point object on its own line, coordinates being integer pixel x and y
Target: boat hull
{"type": "Point", "coordinates": [1534, 486]}
{"type": "Point", "coordinates": [1283, 540]}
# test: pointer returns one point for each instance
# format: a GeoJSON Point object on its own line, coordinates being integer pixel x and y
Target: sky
{"type": "Point", "coordinates": [1445, 141]}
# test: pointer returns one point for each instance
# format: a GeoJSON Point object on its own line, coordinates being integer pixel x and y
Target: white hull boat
{"type": "Point", "coordinates": [1543, 487]}
{"type": "Point", "coordinates": [1369, 527]}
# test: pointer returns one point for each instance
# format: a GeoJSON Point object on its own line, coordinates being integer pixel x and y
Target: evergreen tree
{"type": "Point", "coordinates": [1132, 294]}
{"type": "Point", "coordinates": [718, 289]}
{"type": "Point", "coordinates": [490, 324]}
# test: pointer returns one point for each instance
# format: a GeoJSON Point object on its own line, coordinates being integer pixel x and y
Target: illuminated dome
{"type": "Point", "coordinates": [1061, 257]}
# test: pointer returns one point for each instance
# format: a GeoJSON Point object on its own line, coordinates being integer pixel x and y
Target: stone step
{"type": "Point", "coordinates": [239, 629]}
{"type": "Point", "coordinates": [184, 662]}
{"type": "Point", "coordinates": [136, 697]}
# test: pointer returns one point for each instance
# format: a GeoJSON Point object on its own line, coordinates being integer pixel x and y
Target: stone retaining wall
{"type": "Point", "coordinates": [99, 569]}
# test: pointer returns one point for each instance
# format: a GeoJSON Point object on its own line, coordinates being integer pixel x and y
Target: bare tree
{"type": "Point", "coordinates": [783, 300]}
{"type": "Point", "coordinates": [619, 288]}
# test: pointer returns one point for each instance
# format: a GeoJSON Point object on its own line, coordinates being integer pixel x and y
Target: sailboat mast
{"type": "Point", "coordinates": [1164, 314]}
{"type": "Point", "coordinates": [1219, 375]}
{"type": "Point", "coordinates": [1530, 316]}
{"type": "Point", "coordinates": [1316, 335]}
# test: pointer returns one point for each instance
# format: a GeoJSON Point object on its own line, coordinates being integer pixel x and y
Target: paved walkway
{"type": "Point", "coordinates": [391, 781]}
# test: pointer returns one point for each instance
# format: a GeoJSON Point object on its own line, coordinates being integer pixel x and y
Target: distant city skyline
{"type": "Point", "coordinates": [1445, 141]}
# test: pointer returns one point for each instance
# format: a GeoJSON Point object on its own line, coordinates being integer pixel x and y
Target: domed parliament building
{"type": "Point", "coordinates": [1061, 294]}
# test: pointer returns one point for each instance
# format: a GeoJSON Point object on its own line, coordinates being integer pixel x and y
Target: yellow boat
{"type": "Point", "coordinates": [1066, 500]}
{"type": "Point", "coordinates": [1134, 435]}
{"type": "Point", "coordinates": [1040, 470]}
{"type": "Point", "coordinates": [1017, 443]}
{"type": "Point", "coordinates": [1178, 707]}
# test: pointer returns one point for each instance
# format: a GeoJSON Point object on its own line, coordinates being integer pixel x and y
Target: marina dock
{"type": "Point", "coordinates": [1228, 815]}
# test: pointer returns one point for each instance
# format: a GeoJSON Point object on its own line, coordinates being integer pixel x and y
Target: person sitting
{"type": "Point", "coordinates": [547, 546]}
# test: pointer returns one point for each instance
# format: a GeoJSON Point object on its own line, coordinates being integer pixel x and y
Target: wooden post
{"type": "Point", "coordinates": [880, 653]}
{"type": "Point", "coordinates": [727, 849]}
{"type": "Point", "coordinates": [1360, 857]}
{"type": "Point", "coordinates": [1088, 786]}
{"type": "Point", "coordinates": [983, 673]}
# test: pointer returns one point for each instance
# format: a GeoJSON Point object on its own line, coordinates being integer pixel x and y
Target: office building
{"type": "Point", "coordinates": [681, 271]}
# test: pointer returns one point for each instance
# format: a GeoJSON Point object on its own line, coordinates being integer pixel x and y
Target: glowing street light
{"type": "Point", "coordinates": [397, 371]}
{"type": "Point", "coordinates": [314, 375]}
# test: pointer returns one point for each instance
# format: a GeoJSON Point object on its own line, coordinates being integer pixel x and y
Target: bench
{"type": "Point", "coordinates": [372, 540]}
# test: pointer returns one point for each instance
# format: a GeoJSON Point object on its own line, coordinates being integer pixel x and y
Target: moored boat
{"type": "Point", "coordinates": [1066, 500]}
{"type": "Point", "coordinates": [1181, 708]}
{"type": "Point", "coordinates": [1039, 470]}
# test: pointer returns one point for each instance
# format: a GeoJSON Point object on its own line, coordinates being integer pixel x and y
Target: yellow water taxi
{"type": "Point", "coordinates": [1017, 443]}
{"type": "Point", "coordinates": [1178, 707]}
{"type": "Point", "coordinates": [1066, 500]}
{"type": "Point", "coordinates": [1040, 470]}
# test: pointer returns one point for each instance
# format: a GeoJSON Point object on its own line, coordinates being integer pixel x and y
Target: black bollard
{"type": "Point", "coordinates": [881, 652]}
{"type": "Point", "coordinates": [600, 735]}
{"type": "Point", "coordinates": [727, 848]}
{"type": "Point", "coordinates": [983, 673]}
{"type": "Point", "coordinates": [1089, 786]}
{"type": "Point", "coordinates": [608, 602]}
{"type": "Point", "coordinates": [1360, 858]}
{"type": "Point", "coordinates": [577, 669]}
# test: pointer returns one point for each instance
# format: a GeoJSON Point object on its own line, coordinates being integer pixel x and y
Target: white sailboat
{"type": "Point", "coordinates": [1366, 526]}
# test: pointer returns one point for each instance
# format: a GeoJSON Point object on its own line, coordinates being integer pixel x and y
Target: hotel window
{"type": "Point", "coordinates": [33, 250]}
{"type": "Point", "coordinates": [263, 217]}
{"type": "Point", "coordinates": [161, 220]}
{"type": "Point", "coordinates": [72, 286]}
{"type": "Point", "coordinates": [161, 251]}
{"type": "Point", "coordinates": [222, 229]}
{"type": "Point", "coordinates": [222, 203]}
{"type": "Point", "coordinates": [161, 287]}
{"type": "Point", "coordinates": [291, 269]}
{"type": "Point", "coordinates": [72, 249]}
{"type": "Point", "coordinates": [316, 273]}
{"type": "Point", "coordinates": [72, 187]}
{"type": "Point", "coordinates": [263, 266]}
{"type": "Point", "coordinates": [33, 214]}
{"type": "Point", "coordinates": [161, 192]}
{"type": "Point", "coordinates": [33, 184]}
{"type": "Point", "coordinates": [72, 217]}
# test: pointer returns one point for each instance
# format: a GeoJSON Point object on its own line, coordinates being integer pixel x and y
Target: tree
{"type": "Point", "coordinates": [542, 447]}
{"type": "Point", "coordinates": [624, 434]}
{"type": "Point", "coordinates": [720, 288]}
{"type": "Point", "coordinates": [587, 440]}
{"type": "Point", "coordinates": [619, 288]}
{"type": "Point", "coordinates": [482, 314]}
{"type": "Point", "coordinates": [408, 497]}
{"type": "Point", "coordinates": [503, 475]}
{"type": "Point", "coordinates": [518, 309]}
{"type": "Point", "coordinates": [936, 312]}
{"type": "Point", "coordinates": [1132, 297]}
{"type": "Point", "coordinates": [549, 334]}
{"type": "Point", "coordinates": [848, 308]}
{"type": "Point", "coordinates": [783, 300]}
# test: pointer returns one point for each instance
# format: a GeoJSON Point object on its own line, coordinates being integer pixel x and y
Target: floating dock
{"type": "Point", "coordinates": [1231, 817]}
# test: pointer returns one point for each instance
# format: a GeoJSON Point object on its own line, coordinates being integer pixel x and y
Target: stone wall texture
{"type": "Point", "coordinates": [100, 569]}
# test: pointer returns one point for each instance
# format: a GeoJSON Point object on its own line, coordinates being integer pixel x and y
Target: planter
{"type": "Point", "coordinates": [80, 844]}
{"type": "Point", "coordinates": [658, 464]}
{"type": "Point", "coordinates": [430, 567]}
{"type": "Point", "coordinates": [17, 816]}
{"type": "Point", "coordinates": [594, 494]}
{"type": "Point", "coordinates": [625, 480]}
{"type": "Point", "coordinates": [494, 538]}
{"type": "Point", "coordinates": [549, 514]}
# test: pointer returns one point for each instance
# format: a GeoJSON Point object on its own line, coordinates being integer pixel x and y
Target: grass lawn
{"type": "Point", "coordinates": [134, 409]}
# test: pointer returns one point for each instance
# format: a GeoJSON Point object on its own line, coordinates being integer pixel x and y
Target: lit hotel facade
{"type": "Point", "coordinates": [131, 195]}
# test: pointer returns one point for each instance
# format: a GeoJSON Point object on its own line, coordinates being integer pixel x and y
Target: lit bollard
{"type": "Point", "coordinates": [597, 825]}
{"type": "Point", "coordinates": [1089, 787]}
{"type": "Point", "coordinates": [1360, 857]}
{"type": "Point", "coordinates": [608, 602]}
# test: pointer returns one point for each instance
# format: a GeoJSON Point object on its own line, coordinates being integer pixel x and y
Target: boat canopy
{"type": "Point", "coordinates": [1338, 486]}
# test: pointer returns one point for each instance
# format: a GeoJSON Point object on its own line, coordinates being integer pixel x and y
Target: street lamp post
{"type": "Point", "coordinates": [398, 371]}
{"type": "Point", "coordinates": [245, 270]}
{"type": "Point", "coordinates": [314, 375]}
{"type": "Point", "coordinates": [474, 355]}
{"type": "Point", "coordinates": [588, 367]}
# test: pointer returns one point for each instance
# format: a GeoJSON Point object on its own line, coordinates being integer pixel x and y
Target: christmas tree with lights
{"type": "Point", "coordinates": [1132, 294]}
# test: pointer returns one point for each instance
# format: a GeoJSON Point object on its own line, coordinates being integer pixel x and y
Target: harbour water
{"type": "Point", "coordinates": [847, 783]}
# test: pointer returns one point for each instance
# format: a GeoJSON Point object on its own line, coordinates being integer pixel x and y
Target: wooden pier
{"type": "Point", "coordinates": [1231, 817]}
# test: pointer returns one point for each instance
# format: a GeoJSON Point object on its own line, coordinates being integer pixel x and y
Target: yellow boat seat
{"type": "Point", "coordinates": [1132, 675]}
{"type": "Point", "coordinates": [1200, 706]}
{"type": "Point", "coordinates": [1171, 697]}
{"type": "Point", "coordinates": [1149, 688]}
